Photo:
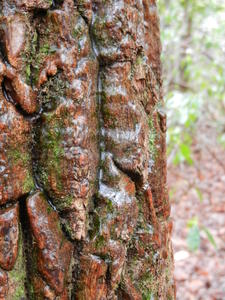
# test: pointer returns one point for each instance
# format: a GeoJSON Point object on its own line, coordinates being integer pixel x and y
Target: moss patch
{"type": "Point", "coordinates": [148, 285]}
{"type": "Point", "coordinates": [17, 277]}
{"type": "Point", "coordinates": [51, 92]}
{"type": "Point", "coordinates": [152, 139]}
{"type": "Point", "coordinates": [28, 184]}
{"type": "Point", "coordinates": [100, 241]}
{"type": "Point", "coordinates": [52, 149]}
{"type": "Point", "coordinates": [17, 156]}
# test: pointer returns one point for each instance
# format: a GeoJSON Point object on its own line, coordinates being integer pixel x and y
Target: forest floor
{"type": "Point", "coordinates": [200, 274]}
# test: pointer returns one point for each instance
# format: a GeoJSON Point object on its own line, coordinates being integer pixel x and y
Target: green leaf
{"type": "Point", "coordinates": [183, 154]}
{"type": "Point", "coordinates": [209, 236]}
{"type": "Point", "coordinates": [193, 238]}
{"type": "Point", "coordinates": [199, 193]}
{"type": "Point", "coordinates": [172, 192]}
{"type": "Point", "coordinates": [192, 222]}
{"type": "Point", "coordinates": [221, 140]}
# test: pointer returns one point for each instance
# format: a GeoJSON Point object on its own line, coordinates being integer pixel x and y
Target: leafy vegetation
{"type": "Point", "coordinates": [194, 234]}
{"type": "Point", "coordinates": [192, 34]}
{"type": "Point", "coordinates": [193, 61]}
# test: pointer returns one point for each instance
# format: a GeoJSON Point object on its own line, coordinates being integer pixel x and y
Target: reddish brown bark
{"type": "Point", "coordinates": [84, 206]}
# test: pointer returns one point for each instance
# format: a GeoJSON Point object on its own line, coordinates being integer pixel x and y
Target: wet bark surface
{"type": "Point", "coordinates": [84, 209]}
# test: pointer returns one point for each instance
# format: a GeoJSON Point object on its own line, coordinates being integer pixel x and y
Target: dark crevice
{"type": "Point", "coordinates": [11, 202]}
{"type": "Point", "coordinates": [134, 176]}
{"type": "Point", "coordinates": [111, 63]}
{"type": "Point", "coordinates": [56, 4]}
{"type": "Point", "coordinates": [121, 294]}
{"type": "Point", "coordinates": [26, 238]}
{"type": "Point", "coordinates": [63, 216]}
{"type": "Point", "coordinates": [40, 12]}
{"type": "Point", "coordinates": [35, 150]}
{"type": "Point", "coordinates": [98, 102]}
{"type": "Point", "coordinates": [76, 271]}
{"type": "Point", "coordinates": [8, 204]}
{"type": "Point", "coordinates": [3, 55]}
{"type": "Point", "coordinates": [79, 9]}
{"type": "Point", "coordinates": [100, 124]}
{"type": "Point", "coordinates": [108, 276]}
{"type": "Point", "coordinates": [28, 242]}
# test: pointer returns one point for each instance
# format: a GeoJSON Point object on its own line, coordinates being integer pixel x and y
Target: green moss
{"type": "Point", "coordinates": [132, 71]}
{"type": "Point", "coordinates": [100, 242]}
{"type": "Point", "coordinates": [68, 200]}
{"type": "Point", "coordinates": [43, 175]}
{"type": "Point", "coordinates": [112, 121]}
{"type": "Point", "coordinates": [44, 49]}
{"type": "Point", "coordinates": [49, 210]}
{"type": "Point", "coordinates": [77, 32]}
{"type": "Point", "coordinates": [33, 56]}
{"type": "Point", "coordinates": [99, 32]}
{"type": "Point", "coordinates": [29, 55]}
{"type": "Point", "coordinates": [16, 156]}
{"type": "Point", "coordinates": [139, 60]}
{"type": "Point", "coordinates": [28, 72]}
{"type": "Point", "coordinates": [148, 285]}
{"type": "Point", "coordinates": [95, 226]}
{"type": "Point", "coordinates": [55, 146]}
{"type": "Point", "coordinates": [31, 291]}
{"type": "Point", "coordinates": [148, 296]}
{"type": "Point", "coordinates": [110, 208]}
{"type": "Point", "coordinates": [52, 150]}
{"type": "Point", "coordinates": [33, 271]}
{"type": "Point", "coordinates": [51, 92]}
{"type": "Point", "coordinates": [17, 278]}
{"type": "Point", "coordinates": [65, 202]}
{"type": "Point", "coordinates": [37, 58]}
{"type": "Point", "coordinates": [28, 184]}
{"type": "Point", "coordinates": [68, 229]}
{"type": "Point", "coordinates": [80, 2]}
{"type": "Point", "coordinates": [103, 97]}
{"type": "Point", "coordinates": [152, 139]}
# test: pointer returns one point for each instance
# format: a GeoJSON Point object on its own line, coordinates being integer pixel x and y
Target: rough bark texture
{"type": "Point", "coordinates": [84, 211]}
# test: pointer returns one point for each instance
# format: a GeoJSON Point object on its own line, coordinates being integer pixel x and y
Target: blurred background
{"type": "Point", "coordinates": [193, 40]}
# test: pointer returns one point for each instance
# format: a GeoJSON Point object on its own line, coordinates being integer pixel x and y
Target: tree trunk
{"type": "Point", "coordinates": [84, 207]}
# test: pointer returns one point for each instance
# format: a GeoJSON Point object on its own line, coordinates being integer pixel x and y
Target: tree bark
{"type": "Point", "coordinates": [84, 209]}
